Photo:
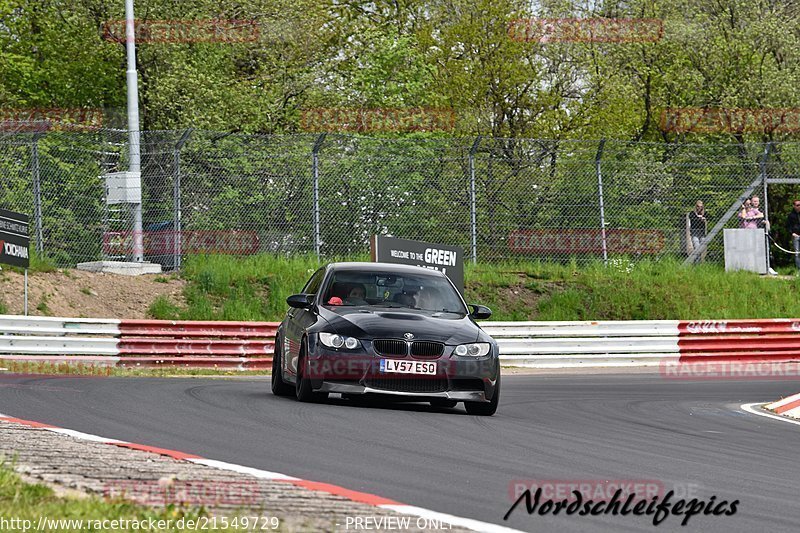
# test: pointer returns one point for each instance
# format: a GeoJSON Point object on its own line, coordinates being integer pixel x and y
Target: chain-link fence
{"type": "Point", "coordinates": [500, 199]}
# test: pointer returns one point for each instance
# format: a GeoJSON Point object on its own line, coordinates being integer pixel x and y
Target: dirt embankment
{"type": "Point", "coordinates": [74, 293]}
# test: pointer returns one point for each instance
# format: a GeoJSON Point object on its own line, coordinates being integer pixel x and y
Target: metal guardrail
{"type": "Point", "coordinates": [586, 344]}
{"type": "Point", "coordinates": [247, 345]}
{"type": "Point", "coordinates": [241, 345]}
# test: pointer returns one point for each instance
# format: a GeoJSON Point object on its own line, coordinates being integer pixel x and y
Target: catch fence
{"type": "Point", "coordinates": [500, 199]}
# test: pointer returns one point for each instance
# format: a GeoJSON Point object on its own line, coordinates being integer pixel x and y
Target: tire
{"type": "Point", "coordinates": [279, 387]}
{"type": "Point", "coordinates": [485, 408]}
{"type": "Point", "coordinates": [302, 389]}
{"type": "Point", "coordinates": [444, 402]}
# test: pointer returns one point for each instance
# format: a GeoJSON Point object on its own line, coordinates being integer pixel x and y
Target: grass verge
{"type": "Point", "coordinates": [233, 288]}
{"type": "Point", "coordinates": [255, 288]}
{"type": "Point", "coordinates": [26, 503]}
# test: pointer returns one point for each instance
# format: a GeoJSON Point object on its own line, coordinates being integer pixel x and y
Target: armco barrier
{"type": "Point", "coordinates": [249, 345]}
{"type": "Point", "coordinates": [239, 345]}
{"type": "Point", "coordinates": [644, 342]}
{"type": "Point", "coordinates": [586, 344]}
{"type": "Point", "coordinates": [740, 340]}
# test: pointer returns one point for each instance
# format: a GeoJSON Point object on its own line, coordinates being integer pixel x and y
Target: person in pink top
{"type": "Point", "coordinates": [750, 216]}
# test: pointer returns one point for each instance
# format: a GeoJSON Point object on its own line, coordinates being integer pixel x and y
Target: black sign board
{"type": "Point", "coordinates": [14, 240]}
{"type": "Point", "coordinates": [448, 259]}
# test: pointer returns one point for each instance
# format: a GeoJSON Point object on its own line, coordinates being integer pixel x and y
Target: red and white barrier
{"type": "Point", "coordinates": [246, 345]}
{"type": "Point", "coordinates": [197, 344]}
{"type": "Point", "coordinates": [776, 339]}
{"type": "Point", "coordinates": [645, 342]}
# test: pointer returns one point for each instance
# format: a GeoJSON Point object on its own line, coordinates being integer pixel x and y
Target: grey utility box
{"type": "Point", "coordinates": [123, 188]}
{"type": "Point", "coordinates": [745, 249]}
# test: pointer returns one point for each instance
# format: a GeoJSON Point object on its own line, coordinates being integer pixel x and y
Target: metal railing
{"type": "Point", "coordinates": [672, 345]}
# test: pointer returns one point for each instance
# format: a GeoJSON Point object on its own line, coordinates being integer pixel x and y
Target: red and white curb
{"type": "Point", "coordinates": [785, 410]}
{"type": "Point", "coordinates": [352, 495]}
{"type": "Point", "coordinates": [789, 406]}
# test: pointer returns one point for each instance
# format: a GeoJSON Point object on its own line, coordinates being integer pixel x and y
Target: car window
{"type": "Point", "coordinates": [312, 287]}
{"type": "Point", "coordinates": [389, 289]}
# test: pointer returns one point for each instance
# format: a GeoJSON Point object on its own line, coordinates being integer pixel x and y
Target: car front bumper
{"type": "Point", "coordinates": [456, 378]}
{"type": "Point", "coordinates": [355, 388]}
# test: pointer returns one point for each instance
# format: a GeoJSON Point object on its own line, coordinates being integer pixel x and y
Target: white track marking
{"type": "Point", "coordinates": [85, 436]}
{"type": "Point", "coordinates": [475, 525]}
{"type": "Point", "coordinates": [261, 474]}
{"type": "Point", "coordinates": [750, 408]}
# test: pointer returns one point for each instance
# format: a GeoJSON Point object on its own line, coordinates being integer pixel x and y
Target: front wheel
{"type": "Point", "coordinates": [303, 390]}
{"type": "Point", "coordinates": [279, 387]}
{"type": "Point", "coordinates": [485, 408]}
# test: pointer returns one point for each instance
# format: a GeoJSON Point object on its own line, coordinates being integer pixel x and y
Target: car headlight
{"type": "Point", "coordinates": [475, 349]}
{"type": "Point", "coordinates": [333, 340]}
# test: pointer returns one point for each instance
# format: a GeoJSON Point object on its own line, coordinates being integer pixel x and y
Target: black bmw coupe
{"type": "Point", "coordinates": [362, 329]}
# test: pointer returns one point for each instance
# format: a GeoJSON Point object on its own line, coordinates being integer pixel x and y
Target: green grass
{"type": "Point", "coordinates": [668, 290]}
{"type": "Point", "coordinates": [232, 288]}
{"type": "Point", "coordinates": [42, 306]}
{"type": "Point", "coordinates": [255, 288]}
{"type": "Point", "coordinates": [25, 501]}
{"type": "Point", "coordinates": [37, 263]}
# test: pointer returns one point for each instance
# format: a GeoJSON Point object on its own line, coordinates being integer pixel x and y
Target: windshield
{"type": "Point", "coordinates": [387, 289]}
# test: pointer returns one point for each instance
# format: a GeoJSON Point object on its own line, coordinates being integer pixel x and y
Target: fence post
{"type": "Point", "coordinates": [473, 207]}
{"type": "Point", "coordinates": [37, 195]}
{"type": "Point", "coordinates": [177, 241]}
{"type": "Point", "coordinates": [598, 158]}
{"type": "Point", "coordinates": [763, 171]}
{"type": "Point", "coordinates": [315, 169]}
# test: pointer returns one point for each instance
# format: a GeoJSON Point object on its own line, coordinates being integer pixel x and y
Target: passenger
{"type": "Point", "coordinates": [357, 295]}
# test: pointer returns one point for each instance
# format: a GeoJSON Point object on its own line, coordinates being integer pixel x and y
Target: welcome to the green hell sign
{"type": "Point", "coordinates": [447, 259]}
{"type": "Point", "coordinates": [14, 240]}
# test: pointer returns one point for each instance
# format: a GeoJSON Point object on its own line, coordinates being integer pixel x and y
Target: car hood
{"type": "Point", "coordinates": [369, 323]}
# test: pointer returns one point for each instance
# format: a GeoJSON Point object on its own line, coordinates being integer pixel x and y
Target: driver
{"type": "Point", "coordinates": [429, 298]}
{"type": "Point", "coordinates": [407, 299]}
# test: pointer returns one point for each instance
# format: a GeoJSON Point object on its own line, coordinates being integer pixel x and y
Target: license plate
{"type": "Point", "coordinates": [393, 366]}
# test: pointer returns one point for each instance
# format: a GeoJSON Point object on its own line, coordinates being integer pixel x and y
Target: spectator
{"type": "Point", "coordinates": [793, 227]}
{"type": "Point", "coordinates": [744, 213]}
{"type": "Point", "coordinates": [754, 219]}
{"type": "Point", "coordinates": [750, 216]}
{"type": "Point", "coordinates": [756, 215]}
{"type": "Point", "coordinates": [696, 227]}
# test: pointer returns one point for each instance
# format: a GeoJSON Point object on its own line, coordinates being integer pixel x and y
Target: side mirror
{"type": "Point", "coordinates": [299, 301]}
{"type": "Point", "coordinates": [480, 312]}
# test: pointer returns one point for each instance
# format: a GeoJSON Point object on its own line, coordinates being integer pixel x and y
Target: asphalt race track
{"type": "Point", "coordinates": [690, 435]}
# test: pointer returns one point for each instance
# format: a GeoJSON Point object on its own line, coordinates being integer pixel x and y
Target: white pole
{"type": "Point", "coordinates": [25, 304]}
{"type": "Point", "coordinates": [133, 128]}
